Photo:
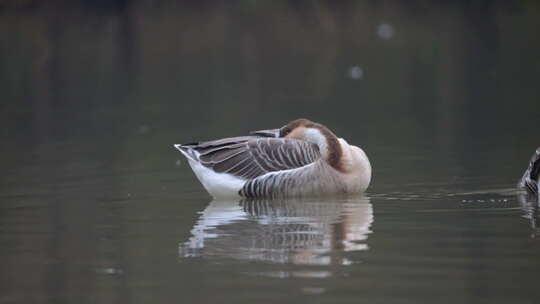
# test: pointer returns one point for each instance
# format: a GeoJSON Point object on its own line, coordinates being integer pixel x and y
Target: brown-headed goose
{"type": "Point", "coordinates": [303, 158]}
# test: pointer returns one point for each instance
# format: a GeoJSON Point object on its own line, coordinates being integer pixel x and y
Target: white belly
{"type": "Point", "coordinates": [219, 185]}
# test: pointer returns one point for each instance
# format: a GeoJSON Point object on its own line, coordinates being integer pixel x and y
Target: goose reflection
{"type": "Point", "coordinates": [294, 231]}
{"type": "Point", "coordinates": [530, 205]}
{"type": "Point", "coordinates": [529, 197]}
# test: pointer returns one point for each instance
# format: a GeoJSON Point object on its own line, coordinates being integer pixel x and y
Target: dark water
{"type": "Point", "coordinates": [97, 207]}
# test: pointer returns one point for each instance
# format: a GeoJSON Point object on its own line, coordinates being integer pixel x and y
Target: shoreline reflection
{"type": "Point", "coordinates": [297, 231]}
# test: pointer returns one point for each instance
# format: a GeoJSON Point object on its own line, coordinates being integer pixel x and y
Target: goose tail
{"type": "Point", "coordinates": [189, 152]}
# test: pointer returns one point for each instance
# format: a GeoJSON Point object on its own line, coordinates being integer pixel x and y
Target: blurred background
{"type": "Point", "coordinates": [442, 95]}
{"type": "Point", "coordinates": [455, 76]}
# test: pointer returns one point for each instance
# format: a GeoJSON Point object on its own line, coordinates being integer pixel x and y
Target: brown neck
{"type": "Point", "coordinates": [334, 148]}
{"type": "Point", "coordinates": [333, 152]}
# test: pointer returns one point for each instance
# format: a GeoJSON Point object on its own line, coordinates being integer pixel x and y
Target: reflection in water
{"type": "Point", "coordinates": [529, 205]}
{"type": "Point", "coordinates": [281, 231]}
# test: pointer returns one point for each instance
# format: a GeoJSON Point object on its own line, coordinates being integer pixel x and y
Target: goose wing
{"type": "Point", "coordinates": [251, 156]}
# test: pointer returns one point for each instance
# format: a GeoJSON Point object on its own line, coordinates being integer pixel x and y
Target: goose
{"type": "Point", "coordinates": [530, 181]}
{"type": "Point", "coordinates": [302, 158]}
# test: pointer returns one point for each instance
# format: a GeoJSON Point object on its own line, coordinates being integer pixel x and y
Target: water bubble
{"type": "Point", "coordinates": [385, 31]}
{"type": "Point", "coordinates": [178, 163]}
{"type": "Point", "coordinates": [356, 72]}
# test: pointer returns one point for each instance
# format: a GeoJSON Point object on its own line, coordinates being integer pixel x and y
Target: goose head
{"type": "Point", "coordinates": [303, 129]}
{"type": "Point", "coordinates": [315, 133]}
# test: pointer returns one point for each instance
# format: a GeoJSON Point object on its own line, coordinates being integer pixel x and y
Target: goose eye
{"type": "Point", "coordinates": [284, 131]}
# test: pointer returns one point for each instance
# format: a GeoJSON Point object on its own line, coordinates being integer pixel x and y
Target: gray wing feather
{"type": "Point", "coordinates": [250, 156]}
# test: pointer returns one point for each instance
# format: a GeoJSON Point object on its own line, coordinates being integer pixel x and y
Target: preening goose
{"type": "Point", "coordinates": [303, 158]}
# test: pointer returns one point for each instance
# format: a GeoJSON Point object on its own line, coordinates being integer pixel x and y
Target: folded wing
{"type": "Point", "coordinates": [250, 156]}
